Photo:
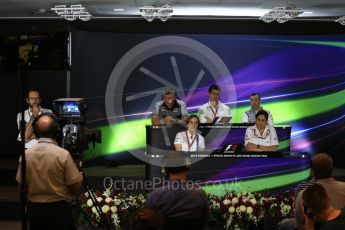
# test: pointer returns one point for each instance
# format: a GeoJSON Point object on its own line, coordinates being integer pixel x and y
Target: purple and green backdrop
{"type": "Point", "coordinates": [301, 80]}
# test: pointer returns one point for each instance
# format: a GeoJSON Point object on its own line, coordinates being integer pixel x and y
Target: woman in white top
{"type": "Point", "coordinates": [190, 140]}
{"type": "Point", "coordinates": [261, 137]}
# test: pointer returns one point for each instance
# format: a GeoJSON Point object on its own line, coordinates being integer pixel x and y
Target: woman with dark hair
{"type": "Point", "coordinates": [261, 137]}
{"type": "Point", "coordinates": [190, 140]}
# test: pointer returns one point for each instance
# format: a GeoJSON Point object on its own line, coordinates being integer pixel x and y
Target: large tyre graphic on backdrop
{"type": "Point", "coordinates": [175, 52]}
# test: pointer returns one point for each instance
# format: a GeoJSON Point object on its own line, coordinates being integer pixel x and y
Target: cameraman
{"type": "Point", "coordinates": [52, 178]}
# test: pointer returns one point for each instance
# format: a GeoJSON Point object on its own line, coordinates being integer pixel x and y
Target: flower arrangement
{"type": "Point", "coordinates": [116, 208]}
{"type": "Point", "coordinates": [278, 205]}
{"type": "Point", "coordinates": [232, 211]}
{"type": "Point", "coordinates": [247, 210]}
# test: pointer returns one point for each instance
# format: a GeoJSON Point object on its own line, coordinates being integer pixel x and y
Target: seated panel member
{"type": "Point", "coordinates": [249, 116]}
{"type": "Point", "coordinates": [169, 110]}
{"type": "Point", "coordinates": [261, 137]}
{"type": "Point", "coordinates": [214, 109]}
{"type": "Point", "coordinates": [190, 140]}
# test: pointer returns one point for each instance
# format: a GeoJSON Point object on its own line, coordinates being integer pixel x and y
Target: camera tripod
{"type": "Point", "coordinates": [89, 190]}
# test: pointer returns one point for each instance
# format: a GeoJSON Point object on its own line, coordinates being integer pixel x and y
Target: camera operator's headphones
{"type": "Point", "coordinates": [53, 130]}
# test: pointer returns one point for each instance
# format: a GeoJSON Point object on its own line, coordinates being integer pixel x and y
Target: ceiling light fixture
{"type": "Point", "coordinates": [341, 20]}
{"type": "Point", "coordinates": [151, 12]}
{"type": "Point", "coordinates": [281, 14]}
{"type": "Point", "coordinates": [73, 12]}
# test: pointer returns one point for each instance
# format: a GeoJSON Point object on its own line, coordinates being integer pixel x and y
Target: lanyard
{"type": "Point", "coordinates": [214, 112]}
{"type": "Point", "coordinates": [191, 144]}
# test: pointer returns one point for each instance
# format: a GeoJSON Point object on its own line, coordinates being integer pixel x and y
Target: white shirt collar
{"type": "Point", "coordinates": [264, 134]}
{"type": "Point", "coordinates": [209, 103]}
{"type": "Point", "coordinates": [30, 111]}
{"type": "Point", "coordinates": [46, 140]}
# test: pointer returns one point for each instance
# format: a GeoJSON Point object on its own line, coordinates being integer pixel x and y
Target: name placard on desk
{"type": "Point", "coordinates": [221, 170]}
{"type": "Point", "coordinates": [217, 137]}
{"type": "Point", "coordinates": [225, 126]}
{"type": "Point", "coordinates": [200, 155]}
{"type": "Point", "coordinates": [236, 155]}
{"type": "Point", "coordinates": [238, 126]}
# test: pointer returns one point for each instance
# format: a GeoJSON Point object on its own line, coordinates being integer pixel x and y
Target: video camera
{"type": "Point", "coordinates": [70, 109]}
{"type": "Point", "coordinates": [76, 136]}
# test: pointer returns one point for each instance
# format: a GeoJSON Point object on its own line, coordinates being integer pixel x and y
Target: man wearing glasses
{"type": "Point", "coordinates": [33, 100]}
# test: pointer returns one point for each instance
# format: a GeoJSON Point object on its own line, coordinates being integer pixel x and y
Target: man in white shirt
{"type": "Point", "coordinates": [214, 111]}
{"type": "Point", "coordinates": [34, 102]}
{"type": "Point", "coordinates": [249, 116]}
{"type": "Point", "coordinates": [261, 137]}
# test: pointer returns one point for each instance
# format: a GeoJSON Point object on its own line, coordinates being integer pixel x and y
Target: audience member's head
{"type": "Point", "coordinates": [176, 163]}
{"type": "Point", "coordinates": [148, 219]}
{"type": "Point", "coordinates": [316, 201]}
{"type": "Point", "coordinates": [322, 166]}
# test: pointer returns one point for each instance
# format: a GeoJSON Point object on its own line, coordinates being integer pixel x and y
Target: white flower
{"type": "Point", "coordinates": [117, 201]}
{"type": "Point", "coordinates": [285, 209]}
{"type": "Point", "coordinates": [89, 203]}
{"type": "Point", "coordinates": [234, 200]}
{"type": "Point", "coordinates": [108, 199]}
{"type": "Point", "coordinates": [113, 209]}
{"type": "Point", "coordinates": [226, 201]}
{"type": "Point", "coordinates": [105, 208]}
{"type": "Point", "coordinates": [215, 205]}
{"type": "Point", "coordinates": [99, 199]}
{"type": "Point", "coordinates": [231, 209]}
{"type": "Point", "coordinates": [116, 221]}
{"type": "Point", "coordinates": [242, 208]}
{"type": "Point", "coordinates": [106, 192]}
{"type": "Point", "coordinates": [253, 201]}
{"type": "Point", "coordinates": [94, 210]}
{"type": "Point", "coordinates": [249, 210]}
